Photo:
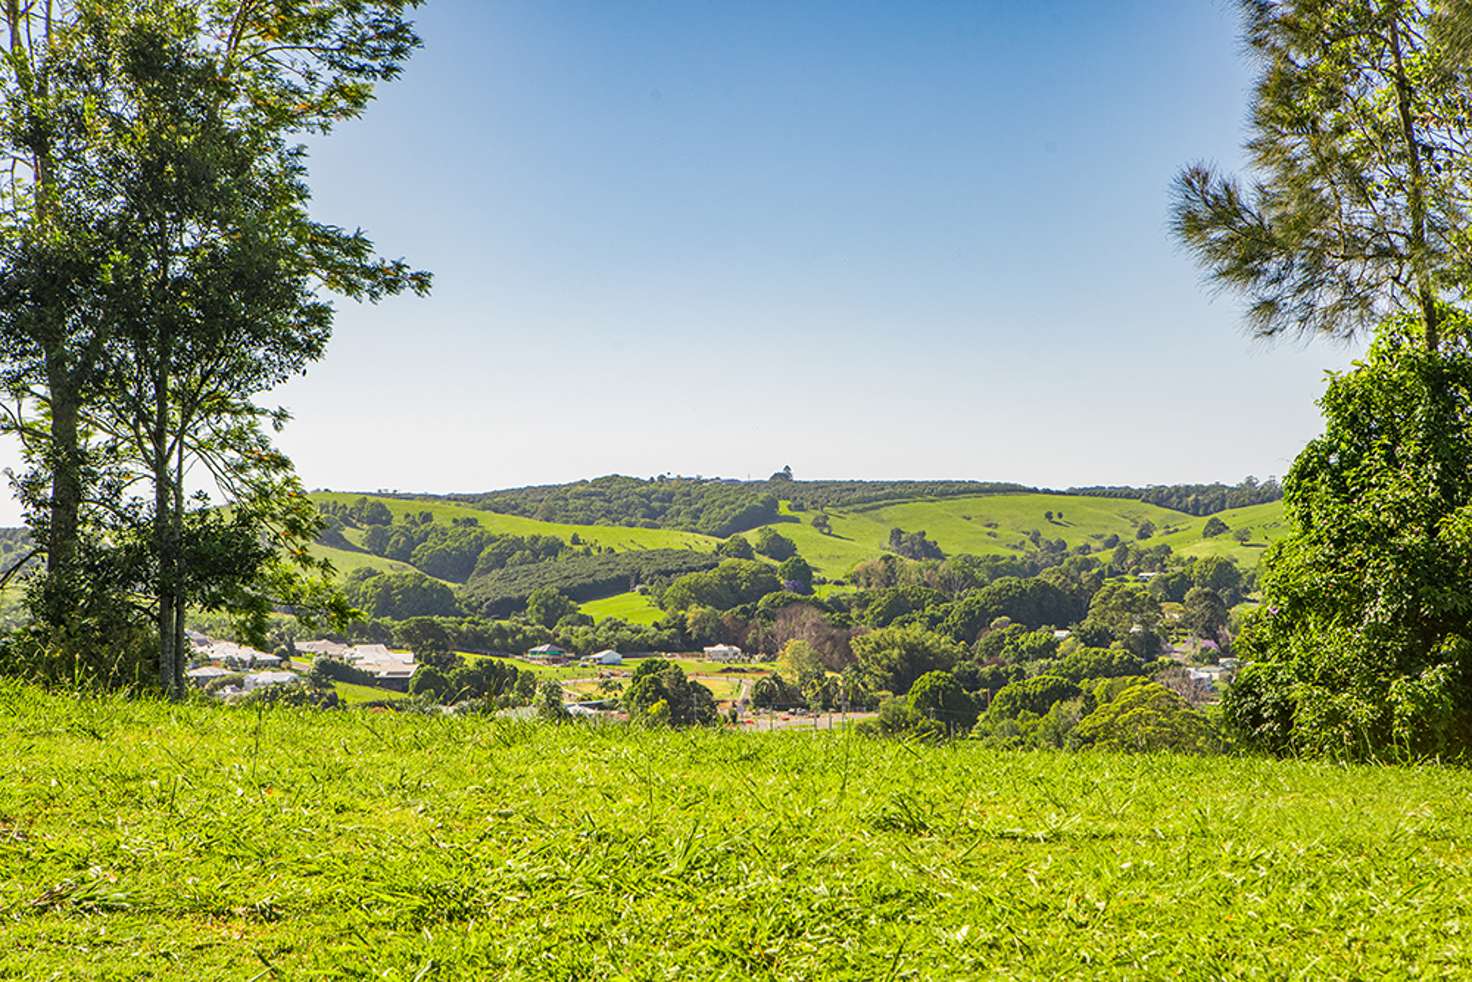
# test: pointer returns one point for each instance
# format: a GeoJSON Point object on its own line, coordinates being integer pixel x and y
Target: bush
{"type": "Point", "coordinates": [894, 657]}
{"type": "Point", "coordinates": [1146, 717]}
{"type": "Point", "coordinates": [939, 697]}
{"type": "Point", "coordinates": [1035, 695]}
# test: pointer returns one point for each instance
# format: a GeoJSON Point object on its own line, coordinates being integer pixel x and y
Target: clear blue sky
{"type": "Point", "coordinates": [871, 240]}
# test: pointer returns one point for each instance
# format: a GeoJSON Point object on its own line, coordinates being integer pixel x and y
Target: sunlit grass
{"type": "Point", "coordinates": [205, 842]}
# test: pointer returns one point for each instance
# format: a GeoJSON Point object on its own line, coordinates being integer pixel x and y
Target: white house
{"type": "Point", "coordinates": [607, 657]}
{"type": "Point", "coordinates": [723, 652]}
{"type": "Point", "coordinates": [391, 669]}
{"type": "Point", "coordinates": [238, 655]}
{"type": "Point", "coordinates": [261, 680]}
{"type": "Point", "coordinates": [332, 649]}
{"type": "Point", "coordinates": [206, 673]}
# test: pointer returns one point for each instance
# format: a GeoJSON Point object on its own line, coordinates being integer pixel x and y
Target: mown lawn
{"type": "Point", "coordinates": [138, 839]}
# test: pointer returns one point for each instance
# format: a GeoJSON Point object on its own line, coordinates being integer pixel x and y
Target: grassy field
{"type": "Point", "coordinates": [999, 525]}
{"type": "Point", "coordinates": [1265, 523]}
{"type": "Point", "coordinates": [143, 840]}
{"type": "Point", "coordinates": [635, 608]}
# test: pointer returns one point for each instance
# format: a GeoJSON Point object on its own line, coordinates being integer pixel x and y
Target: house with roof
{"type": "Point", "coordinates": [264, 680]}
{"type": "Point", "coordinates": [606, 657]}
{"type": "Point", "coordinates": [550, 654]}
{"type": "Point", "coordinates": [723, 652]}
{"type": "Point", "coordinates": [205, 674]}
{"type": "Point", "coordinates": [235, 655]}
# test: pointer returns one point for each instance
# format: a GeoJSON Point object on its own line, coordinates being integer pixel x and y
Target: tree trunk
{"type": "Point", "coordinates": [1425, 288]}
{"type": "Point", "coordinates": [163, 527]}
{"type": "Point", "coordinates": [64, 507]}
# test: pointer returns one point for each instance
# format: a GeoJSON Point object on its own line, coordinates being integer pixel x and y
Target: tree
{"type": "Point", "coordinates": [1361, 172]}
{"type": "Point", "coordinates": [1214, 526]}
{"type": "Point", "coordinates": [159, 270]}
{"type": "Point", "coordinates": [1035, 695]}
{"type": "Point", "coordinates": [894, 657]}
{"type": "Point", "coordinates": [1205, 616]}
{"type": "Point", "coordinates": [773, 544]}
{"type": "Point", "coordinates": [735, 547]}
{"type": "Point", "coordinates": [1124, 608]}
{"type": "Point", "coordinates": [938, 696]}
{"type": "Point", "coordinates": [1363, 648]}
{"type": "Point", "coordinates": [429, 682]}
{"type": "Point", "coordinates": [548, 703]}
{"type": "Point", "coordinates": [1145, 530]}
{"type": "Point", "coordinates": [660, 694]}
{"type": "Point", "coordinates": [1145, 717]}
{"type": "Point", "coordinates": [823, 523]}
{"type": "Point", "coordinates": [800, 660]}
{"type": "Point", "coordinates": [796, 574]}
{"type": "Point", "coordinates": [547, 606]}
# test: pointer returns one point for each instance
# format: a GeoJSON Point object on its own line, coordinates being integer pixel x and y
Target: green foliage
{"type": "Point", "coordinates": [717, 508]}
{"type": "Point", "coordinates": [1366, 644]}
{"type": "Point", "coordinates": [1146, 717]}
{"type": "Point", "coordinates": [939, 697]}
{"type": "Point", "coordinates": [1214, 526]}
{"type": "Point", "coordinates": [914, 545]}
{"type": "Point", "coordinates": [894, 657]}
{"type": "Point", "coordinates": [548, 703]}
{"type": "Point", "coordinates": [1035, 695]}
{"type": "Point", "coordinates": [1204, 614]}
{"type": "Point", "coordinates": [1357, 200]}
{"type": "Point", "coordinates": [1097, 663]}
{"type": "Point", "coordinates": [736, 547]}
{"type": "Point", "coordinates": [733, 583]}
{"type": "Point", "coordinates": [400, 595]}
{"type": "Point", "coordinates": [1033, 602]}
{"type": "Point", "coordinates": [660, 694]}
{"type": "Point", "coordinates": [547, 606]}
{"type": "Point", "coordinates": [795, 573]}
{"type": "Point", "coordinates": [429, 682]}
{"type": "Point", "coordinates": [1195, 499]}
{"type": "Point", "coordinates": [579, 578]}
{"type": "Point", "coordinates": [773, 544]}
{"type": "Point", "coordinates": [775, 692]}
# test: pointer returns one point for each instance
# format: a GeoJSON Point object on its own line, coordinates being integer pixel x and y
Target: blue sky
{"type": "Point", "coordinates": [870, 240]}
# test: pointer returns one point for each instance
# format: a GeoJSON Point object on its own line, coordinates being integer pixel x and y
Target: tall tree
{"type": "Point", "coordinates": [169, 181]}
{"type": "Point", "coordinates": [1362, 182]}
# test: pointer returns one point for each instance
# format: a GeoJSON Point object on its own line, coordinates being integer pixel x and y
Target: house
{"type": "Point", "coordinates": [390, 669]}
{"type": "Point", "coordinates": [238, 655]}
{"type": "Point", "coordinates": [607, 657]}
{"type": "Point", "coordinates": [332, 649]}
{"type": "Point", "coordinates": [549, 653]}
{"type": "Point", "coordinates": [262, 680]}
{"type": "Point", "coordinates": [723, 652]}
{"type": "Point", "coordinates": [206, 673]}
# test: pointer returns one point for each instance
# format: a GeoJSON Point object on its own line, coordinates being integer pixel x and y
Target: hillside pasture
{"type": "Point", "coordinates": [635, 608]}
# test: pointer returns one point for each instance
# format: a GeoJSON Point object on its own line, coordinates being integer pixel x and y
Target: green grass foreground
{"type": "Point", "coordinates": [140, 839]}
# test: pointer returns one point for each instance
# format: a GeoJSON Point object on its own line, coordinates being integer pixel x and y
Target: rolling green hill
{"type": "Point", "coordinates": [998, 524]}
{"type": "Point", "coordinates": [990, 524]}
{"type": "Point", "coordinates": [309, 844]}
